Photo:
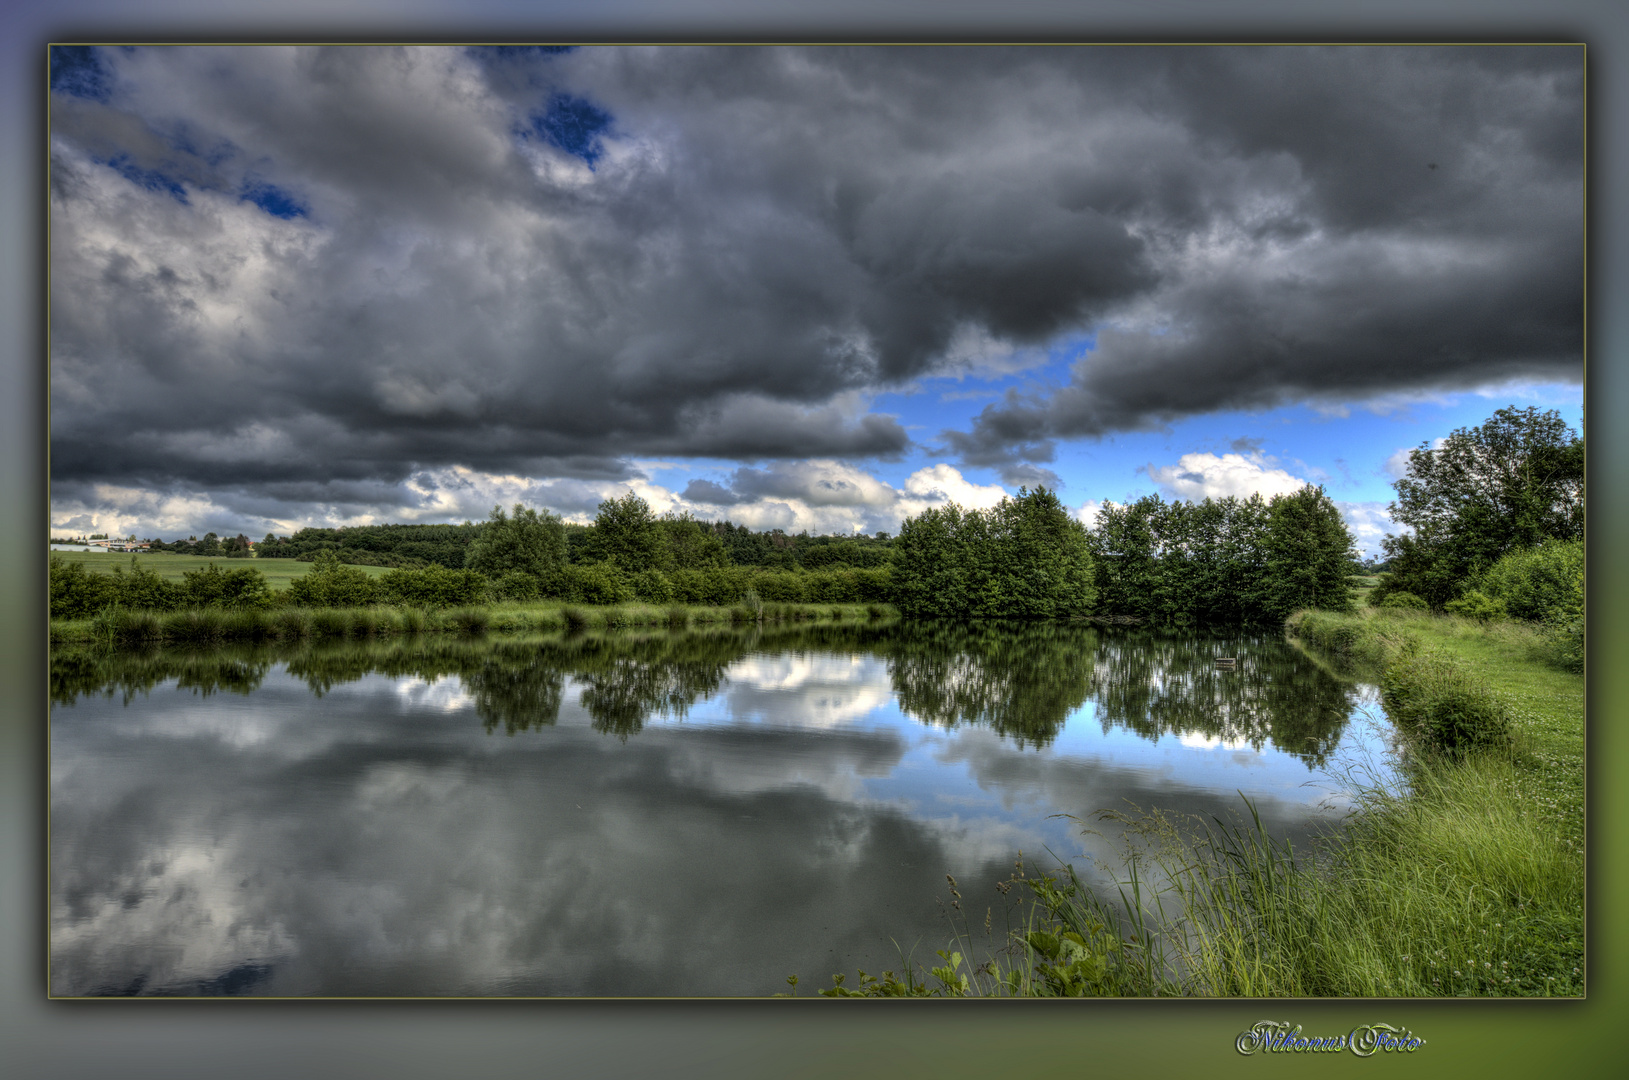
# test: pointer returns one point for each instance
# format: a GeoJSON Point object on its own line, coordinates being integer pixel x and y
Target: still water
{"type": "Point", "coordinates": [684, 813]}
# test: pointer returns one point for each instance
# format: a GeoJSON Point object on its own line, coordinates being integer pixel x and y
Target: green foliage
{"type": "Point", "coordinates": [1477, 605]}
{"type": "Point", "coordinates": [591, 583]}
{"type": "Point", "coordinates": [716, 586]}
{"type": "Point", "coordinates": [627, 533]}
{"type": "Point", "coordinates": [76, 593]}
{"type": "Point", "coordinates": [1222, 561]}
{"type": "Point", "coordinates": [433, 586]}
{"type": "Point", "coordinates": [1404, 600]}
{"type": "Point", "coordinates": [330, 583]}
{"type": "Point", "coordinates": [516, 585]}
{"type": "Point", "coordinates": [1435, 698]}
{"type": "Point", "coordinates": [1309, 555]}
{"type": "Point", "coordinates": [243, 587]}
{"type": "Point", "coordinates": [1024, 558]}
{"type": "Point", "coordinates": [1514, 482]}
{"type": "Point", "coordinates": [528, 541]}
{"type": "Point", "coordinates": [690, 545]}
{"type": "Point", "coordinates": [1544, 583]}
{"type": "Point", "coordinates": [652, 587]}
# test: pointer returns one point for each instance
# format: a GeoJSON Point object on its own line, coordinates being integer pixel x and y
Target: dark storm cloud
{"type": "Point", "coordinates": [319, 266]}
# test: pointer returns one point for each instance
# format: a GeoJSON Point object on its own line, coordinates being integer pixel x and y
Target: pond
{"type": "Point", "coordinates": [630, 814]}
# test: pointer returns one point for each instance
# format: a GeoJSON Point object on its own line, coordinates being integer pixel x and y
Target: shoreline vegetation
{"type": "Point", "coordinates": [1464, 880]}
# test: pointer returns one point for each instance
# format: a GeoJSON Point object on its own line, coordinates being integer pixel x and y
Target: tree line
{"type": "Point", "coordinates": [1026, 557]}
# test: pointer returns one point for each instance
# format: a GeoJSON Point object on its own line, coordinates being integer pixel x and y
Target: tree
{"type": "Point", "coordinates": [1024, 558]}
{"type": "Point", "coordinates": [1515, 481]}
{"type": "Point", "coordinates": [691, 545]}
{"type": "Point", "coordinates": [628, 533]}
{"type": "Point", "coordinates": [528, 541]}
{"type": "Point", "coordinates": [1309, 554]}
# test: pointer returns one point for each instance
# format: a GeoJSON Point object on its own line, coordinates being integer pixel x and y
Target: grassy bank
{"type": "Point", "coordinates": [1465, 879]}
{"type": "Point", "coordinates": [119, 627]}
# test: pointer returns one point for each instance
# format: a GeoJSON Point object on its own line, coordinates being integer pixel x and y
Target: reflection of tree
{"type": "Point", "coordinates": [1022, 680]}
{"type": "Point", "coordinates": [1158, 684]}
{"type": "Point", "coordinates": [519, 693]}
{"type": "Point", "coordinates": [628, 682]}
{"type": "Point", "coordinates": [1019, 679]}
{"type": "Point", "coordinates": [82, 672]}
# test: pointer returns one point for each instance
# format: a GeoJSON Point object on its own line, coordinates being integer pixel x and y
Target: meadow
{"type": "Point", "coordinates": [278, 572]}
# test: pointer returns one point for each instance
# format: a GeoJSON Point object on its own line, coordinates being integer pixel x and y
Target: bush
{"type": "Point", "coordinates": [331, 583]}
{"type": "Point", "coordinates": [1405, 600]}
{"type": "Point", "coordinates": [76, 593]}
{"type": "Point", "coordinates": [1476, 605]}
{"type": "Point", "coordinates": [717, 586]}
{"type": "Point", "coordinates": [433, 586]}
{"type": "Point", "coordinates": [516, 585]}
{"type": "Point", "coordinates": [781, 587]}
{"type": "Point", "coordinates": [1434, 698]}
{"type": "Point", "coordinates": [241, 588]}
{"type": "Point", "coordinates": [652, 586]}
{"type": "Point", "coordinates": [592, 583]}
{"type": "Point", "coordinates": [1541, 584]}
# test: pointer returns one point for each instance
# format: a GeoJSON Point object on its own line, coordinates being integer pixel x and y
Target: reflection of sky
{"type": "Point", "coordinates": [378, 840]}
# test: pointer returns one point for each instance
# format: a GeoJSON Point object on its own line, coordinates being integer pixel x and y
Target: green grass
{"type": "Point", "coordinates": [278, 572]}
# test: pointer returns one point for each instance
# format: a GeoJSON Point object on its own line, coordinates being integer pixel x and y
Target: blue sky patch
{"type": "Point", "coordinates": [574, 125]}
{"type": "Point", "coordinates": [489, 53]}
{"type": "Point", "coordinates": [79, 71]}
{"type": "Point", "coordinates": [151, 179]}
{"type": "Point", "coordinates": [272, 199]}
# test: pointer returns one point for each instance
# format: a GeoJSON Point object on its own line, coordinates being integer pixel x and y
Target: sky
{"type": "Point", "coordinates": [801, 288]}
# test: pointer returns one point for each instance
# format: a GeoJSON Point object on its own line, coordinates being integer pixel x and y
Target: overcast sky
{"type": "Point", "coordinates": [801, 288]}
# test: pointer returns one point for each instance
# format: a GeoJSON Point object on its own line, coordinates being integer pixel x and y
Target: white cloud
{"type": "Point", "coordinates": [1088, 511]}
{"type": "Point", "coordinates": [1201, 476]}
{"type": "Point", "coordinates": [1368, 522]}
{"type": "Point", "coordinates": [1396, 466]}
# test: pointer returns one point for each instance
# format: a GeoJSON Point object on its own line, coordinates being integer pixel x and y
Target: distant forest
{"type": "Point", "coordinates": [413, 546]}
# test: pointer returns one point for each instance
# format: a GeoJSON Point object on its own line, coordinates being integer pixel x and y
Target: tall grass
{"type": "Point", "coordinates": [118, 627]}
{"type": "Point", "coordinates": [1448, 890]}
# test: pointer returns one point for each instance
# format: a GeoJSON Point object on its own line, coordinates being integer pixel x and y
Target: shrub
{"type": "Point", "coordinates": [782, 587]}
{"type": "Point", "coordinates": [77, 593]}
{"type": "Point", "coordinates": [1405, 600]}
{"type": "Point", "coordinates": [652, 586]}
{"type": "Point", "coordinates": [142, 589]}
{"type": "Point", "coordinates": [432, 586]}
{"type": "Point", "coordinates": [594, 583]}
{"type": "Point", "coordinates": [1476, 605]}
{"type": "Point", "coordinates": [516, 585]}
{"type": "Point", "coordinates": [1434, 698]}
{"type": "Point", "coordinates": [1541, 584]}
{"type": "Point", "coordinates": [331, 583]}
{"type": "Point", "coordinates": [240, 588]}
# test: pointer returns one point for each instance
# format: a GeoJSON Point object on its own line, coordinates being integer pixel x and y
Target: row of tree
{"type": "Point", "coordinates": [1227, 561]}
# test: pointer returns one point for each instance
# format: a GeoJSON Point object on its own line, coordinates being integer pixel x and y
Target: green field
{"type": "Point", "coordinates": [279, 572]}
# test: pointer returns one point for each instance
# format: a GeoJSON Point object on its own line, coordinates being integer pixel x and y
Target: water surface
{"type": "Point", "coordinates": [695, 813]}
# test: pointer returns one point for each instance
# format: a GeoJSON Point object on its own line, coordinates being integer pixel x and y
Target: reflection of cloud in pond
{"type": "Point", "coordinates": [1200, 741]}
{"type": "Point", "coordinates": [699, 861]}
{"type": "Point", "coordinates": [445, 693]}
{"type": "Point", "coordinates": [169, 918]}
{"type": "Point", "coordinates": [807, 690]}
